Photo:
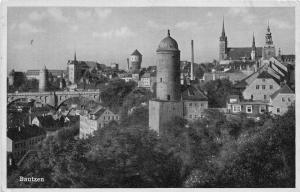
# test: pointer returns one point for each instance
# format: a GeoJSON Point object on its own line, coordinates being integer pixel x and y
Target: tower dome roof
{"type": "Point", "coordinates": [168, 44]}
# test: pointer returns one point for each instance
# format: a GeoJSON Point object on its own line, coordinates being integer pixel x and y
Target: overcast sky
{"type": "Point", "coordinates": [110, 35]}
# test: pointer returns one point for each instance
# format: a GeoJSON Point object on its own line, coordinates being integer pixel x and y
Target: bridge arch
{"type": "Point", "coordinates": [90, 97]}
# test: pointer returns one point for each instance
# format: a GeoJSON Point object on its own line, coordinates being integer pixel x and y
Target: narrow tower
{"type": "Point", "coordinates": [168, 69]}
{"type": "Point", "coordinates": [43, 79]}
{"type": "Point", "coordinates": [269, 48]}
{"type": "Point", "coordinates": [253, 50]}
{"type": "Point", "coordinates": [223, 44]}
{"type": "Point", "coordinates": [167, 105]}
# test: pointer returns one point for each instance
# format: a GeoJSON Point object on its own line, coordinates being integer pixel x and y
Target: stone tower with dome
{"type": "Point", "coordinates": [167, 103]}
{"type": "Point", "coordinates": [173, 100]}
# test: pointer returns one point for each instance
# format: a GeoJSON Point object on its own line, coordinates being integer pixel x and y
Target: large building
{"type": "Point", "coordinates": [94, 120]}
{"type": "Point", "coordinates": [22, 139]}
{"type": "Point", "coordinates": [253, 53]}
{"type": "Point", "coordinates": [77, 69]}
{"type": "Point", "coordinates": [172, 100]}
{"type": "Point", "coordinates": [281, 100]}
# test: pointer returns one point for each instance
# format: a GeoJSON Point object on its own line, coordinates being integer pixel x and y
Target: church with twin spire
{"type": "Point", "coordinates": [253, 53]}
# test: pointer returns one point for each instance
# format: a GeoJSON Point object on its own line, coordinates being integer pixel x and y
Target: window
{"type": "Point", "coordinates": [262, 109]}
{"type": "Point", "coordinates": [265, 97]}
{"type": "Point", "coordinates": [251, 97]}
{"type": "Point", "coordinates": [108, 117]}
{"type": "Point", "coordinates": [190, 104]}
{"type": "Point", "coordinates": [236, 108]}
{"type": "Point", "coordinates": [160, 79]}
{"type": "Point", "coordinates": [289, 99]}
{"type": "Point", "coordinates": [191, 116]}
{"type": "Point", "coordinates": [195, 116]}
{"type": "Point", "coordinates": [263, 87]}
{"type": "Point", "coordinates": [257, 86]}
{"type": "Point", "coordinates": [263, 80]}
{"type": "Point", "coordinates": [168, 97]}
{"type": "Point", "coordinates": [271, 86]}
{"type": "Point", "coordinates": [283, 99]}
{"type": "Point", "coordinates": [278, 110]}
{"type": "Point", "coordinates": [249, 109]}
{"type": "Point", "coordinates": [202, 105]}
{"type": "Point", "coordinates": [104, 117]}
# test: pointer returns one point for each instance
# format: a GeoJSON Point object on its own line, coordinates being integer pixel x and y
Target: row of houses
{"type": "Point", "coordinates": [268, 90]}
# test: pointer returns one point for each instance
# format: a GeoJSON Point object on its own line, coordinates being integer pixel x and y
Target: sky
{"type": "Point", "coordinates": [38, 36]}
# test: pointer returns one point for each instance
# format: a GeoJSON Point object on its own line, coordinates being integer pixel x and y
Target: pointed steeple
{"type": "Point", "coordinates": [223, 28]}
{"type": "Point", "coordinates": [253, 42]}
{"type": "Point", "coordinates": [279, 52]}
{"type": "Point", "coordinates": [269, 35]}
{"type": "Point", "coordinates": [168, 32]}
{"type": "Point", "coordinates": [223, 34]}
{"type": "Point", "coordinates": [75, 56]}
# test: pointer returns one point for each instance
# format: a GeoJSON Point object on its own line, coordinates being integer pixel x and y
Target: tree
{"type": "Point", "coordinates": [218, 92]}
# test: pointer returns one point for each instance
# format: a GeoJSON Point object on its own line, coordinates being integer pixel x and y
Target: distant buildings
{"type": "Point", "coordinates": [94, 120]}
{"type": "Point", "coordinates": [35, 74]}
{"type": "Point", "coordinates": [253, 53]}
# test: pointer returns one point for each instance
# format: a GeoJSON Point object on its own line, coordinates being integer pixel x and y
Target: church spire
{"type": "Point", "coordinates": [253, 42]}
{"type": "Point", "coordinates": [268, 37]}
{"type": "Point", "coordinates": [223, 28]}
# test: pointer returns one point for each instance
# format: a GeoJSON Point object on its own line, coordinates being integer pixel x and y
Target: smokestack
{"type": "Point", "coordinates": [192, 60]}
{"type": "Point", "coordinates": [128, 64]}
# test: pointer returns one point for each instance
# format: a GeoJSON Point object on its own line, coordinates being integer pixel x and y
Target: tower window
{"type": "Point", "coordinates": [160, 79]}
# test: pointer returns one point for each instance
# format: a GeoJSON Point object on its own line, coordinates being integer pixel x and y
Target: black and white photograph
{"type": "Point", "coordinates": [152, 96]}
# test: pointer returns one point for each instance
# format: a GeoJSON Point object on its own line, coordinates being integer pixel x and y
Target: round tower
{"type": "Point", "coordinates": [135, 60]}
{"type": "Point", "coordinates": [43, 79]}
{"type": "Point", "coordinates": [168, 70]}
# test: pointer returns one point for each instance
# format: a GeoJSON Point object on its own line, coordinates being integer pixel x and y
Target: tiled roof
{"type": "Point", "coordinates": [26, 132]}
{"type": "Point", "coordinates": [192, 93]}
{"type": "Point", "coordinates": [236, 53]}
{"type": "Point", "coordinates": [136, 52]}
{"type": "Point", "coordinates": [284, 90]}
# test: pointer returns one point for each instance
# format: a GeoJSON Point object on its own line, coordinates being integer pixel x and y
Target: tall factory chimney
{"type": "Point", "coordinates": [192, 61]}
{"type": "Point", "coordinates": [128, 64]}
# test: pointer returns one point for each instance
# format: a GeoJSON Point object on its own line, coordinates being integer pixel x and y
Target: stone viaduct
{"type": "Point", "coordinates": [54, 99]}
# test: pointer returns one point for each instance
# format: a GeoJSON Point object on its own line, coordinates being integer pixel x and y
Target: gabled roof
{"type": "Point", "coordinates": [267, 75]}
{"type": "Point", "coordinates": [283, 90]}
{"type": "Point", "coordinates": [136, 52]}
{"type": "Point", "coordinates": [192, 93]}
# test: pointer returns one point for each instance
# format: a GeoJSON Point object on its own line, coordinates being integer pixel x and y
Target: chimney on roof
{"type": "Point", "coordinates": [192, 61]}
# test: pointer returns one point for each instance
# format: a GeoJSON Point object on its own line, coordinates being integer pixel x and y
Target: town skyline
{"type": "Point", "coordinates": [50, 36]}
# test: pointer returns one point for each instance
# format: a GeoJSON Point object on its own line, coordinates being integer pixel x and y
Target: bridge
{"type": "Point", "coordinates": [54, 99]}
